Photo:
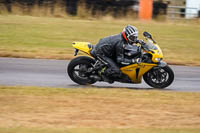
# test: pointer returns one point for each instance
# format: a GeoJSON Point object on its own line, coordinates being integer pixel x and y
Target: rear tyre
{"type": "Point", "coordinates": [159, 77]}
{"type": "Point", "coordinates": [78, 70]}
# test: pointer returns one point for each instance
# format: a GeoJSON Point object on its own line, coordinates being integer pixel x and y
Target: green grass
{"type": "Point", "coordinates": [99, 110]}
{"type": "Point", "coordinates": [48, 37]}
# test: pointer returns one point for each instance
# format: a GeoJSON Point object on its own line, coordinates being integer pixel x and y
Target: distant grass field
{"type": "Point", "coordinates": [97, 110]}
{"type": "Point", "coordinates": [48, 37]}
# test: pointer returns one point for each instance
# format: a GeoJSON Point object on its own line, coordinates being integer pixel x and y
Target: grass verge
{"type": "Point", "coordinates": [97, 130]}
{"type": "Point", "coordinates": [48, 37]}
{"type": "Point", "coordinates": [40, 109]}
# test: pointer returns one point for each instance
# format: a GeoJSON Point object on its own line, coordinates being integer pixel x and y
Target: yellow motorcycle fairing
{"type": "Point", "coordinates": [136, 71]}
{"type": "Point", "coordinates": [157, 54]}
{"type": "Point", "coordinates": [82, 46]}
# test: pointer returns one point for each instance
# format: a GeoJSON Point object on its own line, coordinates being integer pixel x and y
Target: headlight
{"type": "Point", "coordinates": [158, 59]}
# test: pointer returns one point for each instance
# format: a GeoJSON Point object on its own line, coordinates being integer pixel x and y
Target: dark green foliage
{"type": "Point", "coordinates": [115, 7]}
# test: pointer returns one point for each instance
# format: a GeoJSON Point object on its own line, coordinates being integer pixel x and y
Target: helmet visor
{"type": "Point", "coordinates": [132, 38]}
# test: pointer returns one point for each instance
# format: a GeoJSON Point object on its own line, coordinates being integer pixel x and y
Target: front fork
{"type": "Point", "coordinates": [162, 64]}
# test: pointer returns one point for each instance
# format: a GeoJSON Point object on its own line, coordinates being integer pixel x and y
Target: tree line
{"type": "Point", "coordinates": [71, 6]}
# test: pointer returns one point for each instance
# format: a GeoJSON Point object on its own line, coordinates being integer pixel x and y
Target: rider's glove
{"type": "Point", "coordinates": [144, 45]}
{"type": "Point", "coordinates": [138, 60]}
{"type": "Point", "coordinates": [141, 42]}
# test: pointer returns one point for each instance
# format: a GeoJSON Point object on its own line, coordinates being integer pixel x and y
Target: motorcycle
{"type": "Point", "coordinates": [89, 69]}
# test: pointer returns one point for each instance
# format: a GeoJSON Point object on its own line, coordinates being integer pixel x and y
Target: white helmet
{"type": "Point", "coordinates": [130, 34]}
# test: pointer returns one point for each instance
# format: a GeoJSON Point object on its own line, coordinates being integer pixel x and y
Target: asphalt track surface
{"type": "Point", "coordinates": [52, 73]}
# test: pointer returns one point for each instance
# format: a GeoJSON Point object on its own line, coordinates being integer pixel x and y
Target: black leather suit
{"type": "Point", "coordinates": [111, 50]}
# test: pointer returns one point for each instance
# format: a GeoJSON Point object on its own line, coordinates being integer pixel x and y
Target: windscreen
{"type": "Point", "coordinates": [150, 45]}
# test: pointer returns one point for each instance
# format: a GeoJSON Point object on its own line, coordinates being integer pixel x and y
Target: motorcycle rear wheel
{"type": "Point", "coordinates": [159, 77]}
{"type": "Point", "coordinates": [77, 70]}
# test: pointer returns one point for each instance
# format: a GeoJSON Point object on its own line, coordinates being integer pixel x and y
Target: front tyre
{"type": "Point", "coordinates": [78, 70]}
{"type": "Point", "coordinates": [159, 77]}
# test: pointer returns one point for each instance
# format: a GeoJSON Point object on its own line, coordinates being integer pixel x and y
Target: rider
{"type": "Point", "coordinates": [111, 48]}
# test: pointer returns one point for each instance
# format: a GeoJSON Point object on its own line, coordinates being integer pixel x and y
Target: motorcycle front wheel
{"type": "Point", "coordinates": [159, 77]}
{"type": "Point", "coordinates": [78, 70]}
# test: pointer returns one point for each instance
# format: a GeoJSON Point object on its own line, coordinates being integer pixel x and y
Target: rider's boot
{"type": "Point", "coordinates": [107, 79]}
